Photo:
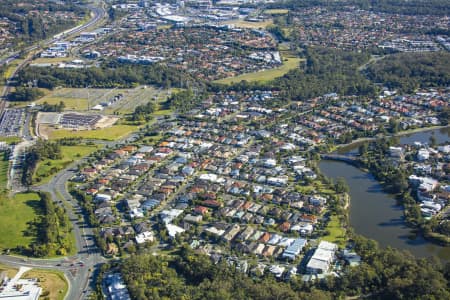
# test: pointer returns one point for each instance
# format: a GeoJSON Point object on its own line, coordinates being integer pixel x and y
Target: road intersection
{"type": "Point", "coordinates": [79, 268]}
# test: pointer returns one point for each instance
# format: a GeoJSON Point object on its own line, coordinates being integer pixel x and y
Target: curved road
{"type": "Point", "coordinates": [78, 269]}
{"type": "Point", "coordinates": [99, 13]}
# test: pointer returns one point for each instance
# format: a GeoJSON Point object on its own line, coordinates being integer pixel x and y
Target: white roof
{"type": "Point", "coordinates": [173, 230]}
{"type": "Point", "coordinates": [327, 246]}
{"type": "Point", "coordinates": [316, 264]}
{"type": "Point", "coordinates": [144, 236]}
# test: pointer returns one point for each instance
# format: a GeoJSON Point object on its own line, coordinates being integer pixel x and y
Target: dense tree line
{"type": "Point", "coordinates": [40, 151]}
{"type": "Point", "coordinates": [51, 230]}
{"type": "Point", "coordinates": [410, 71]}
{"type": "Point", "coordinates": [406, 7]}
{"type": "Point", "coordinates": [186, 100]}
{"type": "Point", "coordinates": [326, 71]}
{"type": "Point", "coordinates": [375, 157]}
{"type": "Point", "coordinates": [110, 74]}
{"type": "Point", "coordinates": [25, 94]}
{"type": "Point", "coordinates": [143, 112]}
{"type": "Point", "coordinates": [384, 274]}
{"type": "Point", "coordinates": [46, 107]}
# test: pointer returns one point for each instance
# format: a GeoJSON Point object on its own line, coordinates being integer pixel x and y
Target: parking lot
{"type": "Point", "coordinates": [12, 122]}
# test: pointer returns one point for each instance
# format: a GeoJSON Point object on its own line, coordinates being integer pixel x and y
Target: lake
{"type": "Point", "coordinates": [374, 214]}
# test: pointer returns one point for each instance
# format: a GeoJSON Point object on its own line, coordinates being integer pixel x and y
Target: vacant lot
{"type": "Point", "coordinates": [47, 168]}
{"type": "Point", "coordinates": [78, 104]}
{"type": "Point", "coordinates": [15, 213]}
{"type": "Point", "coordinates": [135, 97]}
{"type": "Point", "coordinates": [110, 134]}
{"type": "Point", "coordinates": [266, 75]}
{"type": "Point", "coordinates": [77, 99]}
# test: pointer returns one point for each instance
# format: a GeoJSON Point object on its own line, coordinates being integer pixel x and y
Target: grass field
{"type": "Point", "coordinates": [337, 233]}
{"type": "Point", "coordinates": [10, 272]}
{"type": "Point", "coordinates": [276, 11]}
{"type": "Point", "coordinates": [47, 168]}
{"type": "Point", "coordinates": [251, 25]}
{"type": "Point", "coordinates": [10, 139]}
{"type": "Point", "coordinates": [11, 67]}
{"type": "Point", "coordinates": [266, 75]}
{"type": "Point", "coordinates": [52, 282]}
{"type": "Point", "coordinates": [56, 60]}
{"type": "Point", "coordinates": [110, 133]}
{"type": "Point", "coordinates": [15, 213]}
{"type": "Point", "coordinates": [4, 164]}
{"type": "Point", "coordinates": [79, 104]}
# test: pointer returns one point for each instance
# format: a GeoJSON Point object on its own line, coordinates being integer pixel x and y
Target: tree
{"type": "Point", "coordinates": [341, 185]}
{"type": "Point", "coordinates": [393, 125]}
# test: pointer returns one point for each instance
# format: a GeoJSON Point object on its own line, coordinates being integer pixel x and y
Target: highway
{"type": "Point", "coordinates": [78, 269]}
{"type": "Point", "coordinates": [98, 14]}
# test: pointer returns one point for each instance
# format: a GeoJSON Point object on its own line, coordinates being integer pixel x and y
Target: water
{"type": "Point", "coordinates": [442, 135]}
{"type": "Point", "coordinates": [374, 213]}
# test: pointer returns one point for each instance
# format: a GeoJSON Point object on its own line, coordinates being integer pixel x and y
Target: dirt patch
{"type": "Point", "coordinates": [106, 121]}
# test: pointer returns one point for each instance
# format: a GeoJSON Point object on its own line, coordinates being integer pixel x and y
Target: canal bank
{"type": "Point", "coordinates": [374, 213]}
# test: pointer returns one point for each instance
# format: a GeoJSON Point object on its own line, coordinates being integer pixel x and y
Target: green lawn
{"type": "Point", "coordinates": [10, 139]}
{"type": "Point", "coordinates": [337, 233]}
{"type": "Point", "coordinates": [266, 75]}
{"type": "Point", "coordinates": [111, 133]}
{"type": "Point", "coordinates": [51, 281]}
{"type": "Point", "coordinates": [47, 168]}
{"type": "Point", "coordinates": [11, 67]}
{"type": "Point", "coordinates": [4, 164]}
{"type": "Point", "coordinates": [78, 104]}
{"type": "Point", "coordinates": [15, 213]}
{"type": "Point", "coordinates": [276, 11]}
